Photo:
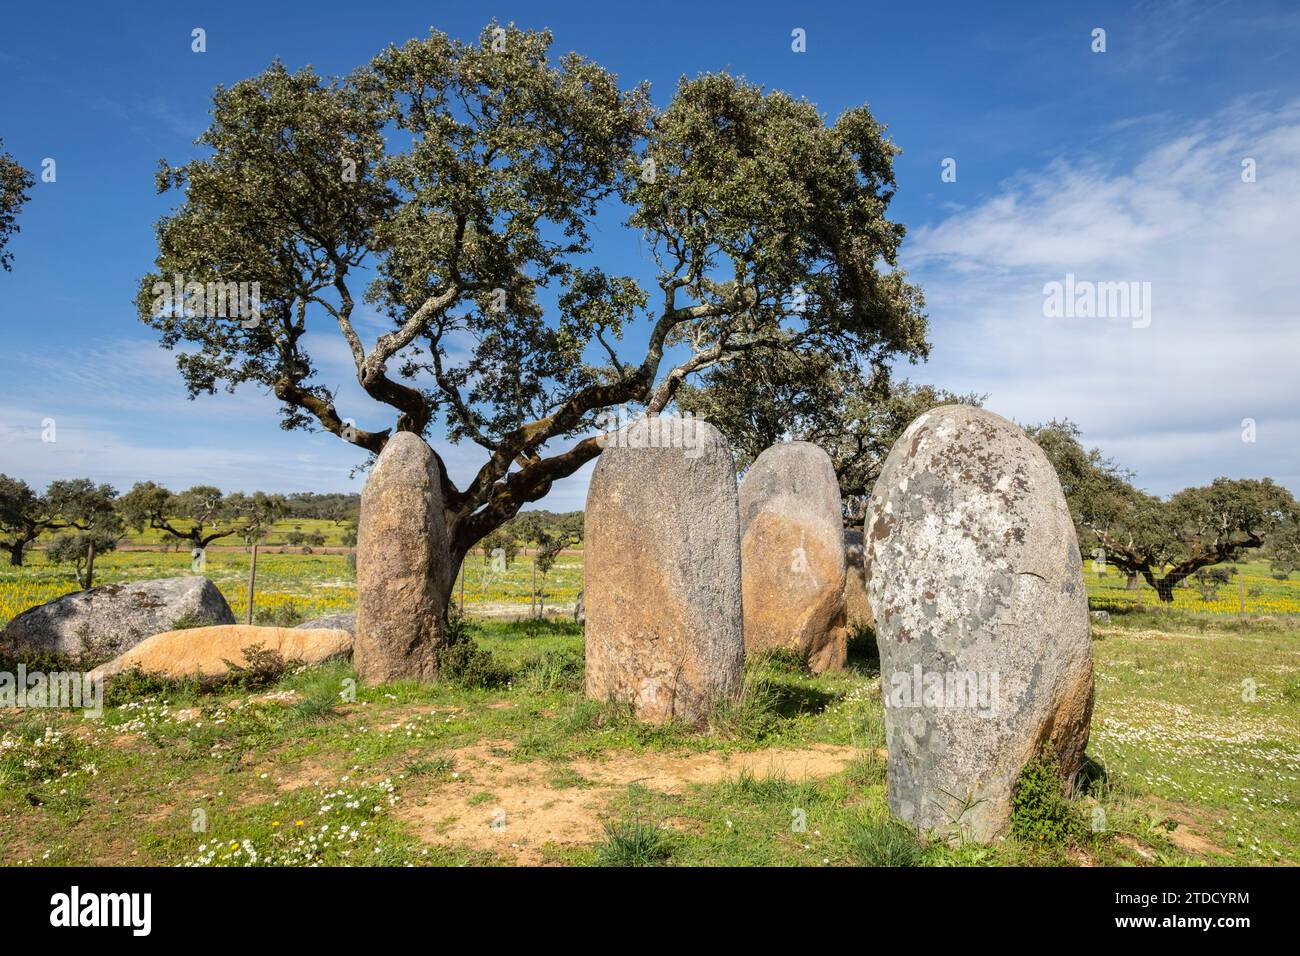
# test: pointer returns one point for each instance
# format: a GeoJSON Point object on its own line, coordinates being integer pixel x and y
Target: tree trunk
{"type": "Point", "coordinates": [16, 554]}
{"type": "Point", "coordinates": [1133, 583]}
{"type": "Point", "coordinates": [90, 565]}
{"type": "Point", "coordinates": [1165, 589]}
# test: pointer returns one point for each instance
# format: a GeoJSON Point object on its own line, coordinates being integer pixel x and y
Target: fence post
{"type": "Point", "coordinates": [252, 582]}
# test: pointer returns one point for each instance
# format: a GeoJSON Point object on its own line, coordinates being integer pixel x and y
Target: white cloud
{"type": "Point", "coordinates": [1221, 256]}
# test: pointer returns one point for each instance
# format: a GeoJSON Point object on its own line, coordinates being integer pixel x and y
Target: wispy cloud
{"type": "Point", "coordinates": [1220, 255]}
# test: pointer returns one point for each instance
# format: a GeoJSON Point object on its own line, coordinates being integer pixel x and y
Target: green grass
{"type": "Point", "coordinates": [632, 843]}
{"type": "Point", "coordinates": [1196, 766]}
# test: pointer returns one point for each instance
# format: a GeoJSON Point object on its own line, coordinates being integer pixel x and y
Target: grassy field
{"type": "Point", "coordinates": [1197, 728]}
{"type": "Point", "coordinates": [1252, 584]}
{"type": "Point", "coordinates": [1196, 735]}
{"type": "Point", "coordinates": [291, 587]}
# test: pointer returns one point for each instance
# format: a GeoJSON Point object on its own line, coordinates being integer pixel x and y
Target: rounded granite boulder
{"type": "Point", "coordinates": [792, 555]}
{"type": "Point", "coordinates": [982, 620]}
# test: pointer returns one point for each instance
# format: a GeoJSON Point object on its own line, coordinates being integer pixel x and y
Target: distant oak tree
{"type": "Point", "coordinates": [200, 515]}
{"type": "Point", "coordinates": [75, 504]}
{"type": "Point", "coordinates": [1163, 540]}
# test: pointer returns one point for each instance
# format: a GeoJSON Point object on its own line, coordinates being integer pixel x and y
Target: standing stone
{"type": "Point", "coordinates": [661, 586]}
{"type": "Point", "coordinates": [402, 566]}
{"type": "Point", "coordinates": [856, 606]}
{"type": "Point", "coordinates": [982, 619]}
{"type": "Point", "coordinates": [792, 555]}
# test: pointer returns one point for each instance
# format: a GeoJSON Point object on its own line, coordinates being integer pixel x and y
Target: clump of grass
{"type": "Point", "coordinates": [320, 690]}
{"type": "Point", "coordinates": [552, 671]}
{"type": "Point", "coordinates": [775, 788]}
{"type": "Point", "coordinates": [320, 703]}
{"type": "Point", "coordinates": [1041, 813]}
{"type": "Point", "coordinates": [866, 769]}
{"type": "Point", "coordinates": [587, 715]}
{"type": "Point", "coordinates": [755, 713]}
{"type": "Point", "coordinates": [135, 685]}
{"type": "Point", "coordinates": [1291, 690]}
{"type": "Point", "coordinates": [465, 664]}
{"type": "Point", "coordinates": [874, 842]}
{"type": "Point", "coordinates": [779, 660]}
{"type": "Point", "coordinates": [435, 767]}
{"type": "Point", "coordinates": [632, 843]}
{"type": "Point", "coordinates": [565, 778]}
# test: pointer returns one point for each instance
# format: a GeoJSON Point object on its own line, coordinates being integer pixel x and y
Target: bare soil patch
{"type": "Point", "coordinates": [515, 811]}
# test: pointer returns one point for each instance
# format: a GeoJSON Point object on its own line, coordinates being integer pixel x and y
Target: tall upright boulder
{"type": "Point", "coordinates": [792, 555]}
{"type": "Point", "coordinates": [661, 586]}
{"type": "Point", "coordinates": [856, 605]}
{"type": "Point", "coordinates": [982, 619]}
{"type": "Point", "coordinates": [403, 577]}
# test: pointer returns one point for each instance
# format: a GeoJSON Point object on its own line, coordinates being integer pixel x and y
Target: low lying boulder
{"type": "Point", "coordinates": [330, 622]}
{"type": "Point", "coordinates": [113, 618]}
{"type": "Point", "coordinates": [203, 652]}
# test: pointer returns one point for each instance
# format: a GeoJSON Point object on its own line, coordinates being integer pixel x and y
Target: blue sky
{"type": "Point", "coordinates": [1115, 166]}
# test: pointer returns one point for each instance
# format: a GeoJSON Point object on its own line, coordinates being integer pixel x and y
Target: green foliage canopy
{"type": "Point", "coordinates": [465, 178]}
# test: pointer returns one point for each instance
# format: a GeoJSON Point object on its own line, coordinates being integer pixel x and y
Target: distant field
{"type": "Point", "coordinates": [1196, 733]}
{"type": "Point", "coordinates": [295, 586]}
{"type": "Point", "coordinates": [291, 587]}
{"type": "Point", "coordinates": [1263, 594]}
